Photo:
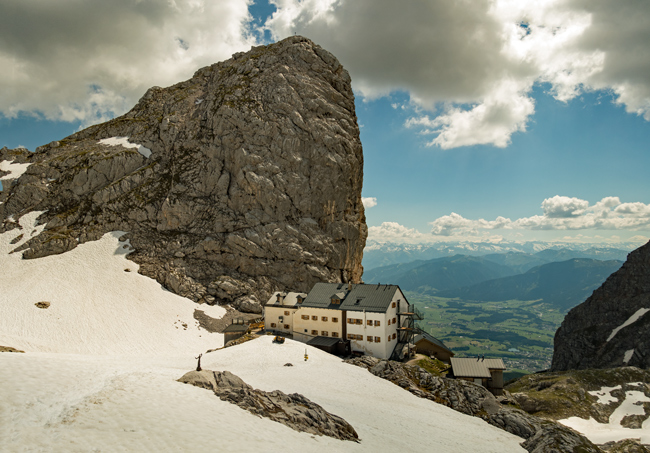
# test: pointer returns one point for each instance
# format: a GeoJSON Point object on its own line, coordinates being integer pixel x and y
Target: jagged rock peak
{"type": "Point", "coordinates": [243, 180]}
{"type": "Point", "coordinates": [612, 327]}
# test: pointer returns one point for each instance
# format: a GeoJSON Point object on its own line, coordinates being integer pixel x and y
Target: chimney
{"type": "Point", "coordinates": [349, 286]}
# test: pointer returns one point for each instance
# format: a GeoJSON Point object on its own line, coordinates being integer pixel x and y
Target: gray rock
{"type": "Point", "coordinates": [253, 183]}
{"type": "Point", "coordinates": [294, 410]}
{"type": "Point", "coordinates": [541, 436]}
{"type": "Point", "coordinates": [583, 340]}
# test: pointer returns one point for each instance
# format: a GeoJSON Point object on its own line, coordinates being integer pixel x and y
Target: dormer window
{"type": "Point", "coordinates": [336, 300]}
{"type": "Point", "coordinates": [300, 299]}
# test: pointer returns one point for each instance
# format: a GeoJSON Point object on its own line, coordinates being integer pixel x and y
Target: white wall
{"type": "Point", "coordinates": [273, 314]}
{"type": "Point", "coordinates": [303, 328]}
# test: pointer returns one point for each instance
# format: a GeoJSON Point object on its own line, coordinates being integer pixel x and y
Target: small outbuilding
{"type": "Point", "coordinates": [336, 346]}
{"type": "Point", "coordinates": [482, 371]}
{"type": "Point", "coordinates": [234, 330]}
{"type": "Point", "coordinates": [431, 346]}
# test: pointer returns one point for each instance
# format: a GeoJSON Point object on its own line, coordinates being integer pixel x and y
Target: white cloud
{"type": "Point", "coordinates": [469, 66]}
{"type": "Point", "coordinates": [86, 60]}
{"type": "Point", "coordinates": [394, 232]}
{"type": "Point", "coordinates": [560, 213]}
{"type": "Point", "coordinates": [369, 202]}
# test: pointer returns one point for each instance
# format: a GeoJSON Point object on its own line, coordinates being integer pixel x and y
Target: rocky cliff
{"type": "Point", "coordinates": [243, 180]}
{"type": "Point", "coordinates": [612, 327]}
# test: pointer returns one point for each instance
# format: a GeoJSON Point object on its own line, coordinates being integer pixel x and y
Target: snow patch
{"type": "Point", "coordinates": [600, 433]}
{"type": "Point", "coordinates": [635, 317]}
{"type": "Point", "coordinates": [628, 355]}
{"type": "Point", "coordinates": [604, 395]}
{"type": "Point", "coordinates": [15, 170]}
{"type": "Point", "coordinates": [124, 141]}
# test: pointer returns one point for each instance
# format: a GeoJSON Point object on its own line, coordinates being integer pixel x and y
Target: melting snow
{"type": "Point", "coordinates": [605, 394]}
{"type": "Point", "coordinates": [635, 317]}
{"type": "Point", "coordinates": [600, 433]}
{"type": "Point", "coordinates": [124, 141]}
{"type": "Point", "coordinates": [96, 306]}
{"type": "Point", "coordinates": [15, 169]}
{"type": "Point", "coordinates": [628, 355]}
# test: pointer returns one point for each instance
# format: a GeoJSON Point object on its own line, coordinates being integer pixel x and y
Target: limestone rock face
{"type": "Point", "coordinates": [612, 327]}
{"type": "Point", "coordinates": [243, 180]}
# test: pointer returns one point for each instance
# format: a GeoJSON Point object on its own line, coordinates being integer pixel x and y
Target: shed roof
{"type": "Point", "coordinates": [236, 328]}
{"type": "Point", "coordinates": [475, 368]}
{"type": "Point", "coordinates": [323, 341]}
{"type": "Point", "coordinates": [425, 336]}
{"type": "Point", "coordinates": [371, 298]}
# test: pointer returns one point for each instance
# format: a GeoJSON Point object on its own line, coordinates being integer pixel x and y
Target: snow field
{"type": "Point", "coordinates": [82, 403]}
{"type": "Point", "coordinates": [96, 307]}
{"type": "Point", "coordinates": [600, 433]}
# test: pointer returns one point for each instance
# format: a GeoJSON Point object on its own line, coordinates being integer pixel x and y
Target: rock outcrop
{"type": "Point", "coordinates": [612, 327]}
{"type": "Point", "coordinates": [294, 410]}
{"type": "Point", "coordinates": [243, 180]}
{"type": "Point", "coordinates": [541, 436]}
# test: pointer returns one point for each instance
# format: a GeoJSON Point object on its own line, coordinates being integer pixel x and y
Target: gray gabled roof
{"type": "Point", "coordinates": [425, 336]}
{"type": "Point", "coordinates": [371, 298]}
{"type": "Point", "coordinates": [471, 367]}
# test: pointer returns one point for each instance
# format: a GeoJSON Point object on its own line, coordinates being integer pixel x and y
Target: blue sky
{"type": "Point", "coordinates": [510, 120]}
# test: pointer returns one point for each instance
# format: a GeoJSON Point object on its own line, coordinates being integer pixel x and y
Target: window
{"type": "Point", "coordinates": [314, 332]}
{"type": "Point", "coordinates": [314, 318]}
{"type": "Point", "coordinates": [287, 327]}
{"type": "Point", "coordinates": [350, 321]}
{"type": "Point", "coordinates": [388, 337]}
{"type": "Point", "coordinates": [286, 313]}
{"type": "Point", "coordinates": [350, 336]}
{"type": "Point", "coordinates": [394, 320]}
{"type": "Point", "coordinates": [300, 299]}
{"type": "Point", "coordinates": [323, 318]}
{"type": "Point", "coordinates": [335, 319]}
{"type": "Point", "coordinates": [336, 300]}
{"type": "Point", "coordinates": [273, 324]}
{"type": "Point", "coordinates": [377, 339]}
{"type": "Point", "coordinates": [394, 305]}
{"type": "Point", "coordinates": [359, 337]}
{"type": "Point", "coordinates": [389, 322]}
{"type": "Point", "coordinates": [394, 335]}
{"type": "Point", "coordinates": [324, 333]}
{"type": "Point", "coordinates": [305, 317]}
{"type": "Point", "coordinates": [377, 323]}
{"type": "Point", "coordinates": [359, 321]}
{"type": "Point", "coordinates": [335, 334]}
{"type": "Point", "coordinates": [369, 322]}
{"type": "Point", "coordinates": [369, 338]}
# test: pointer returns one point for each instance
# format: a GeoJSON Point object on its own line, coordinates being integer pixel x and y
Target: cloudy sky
{"type": "Point", "coordinates": [480, 120]}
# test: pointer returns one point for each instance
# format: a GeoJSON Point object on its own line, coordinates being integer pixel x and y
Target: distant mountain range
{"type": "Point", "coordinates": [531, 254]}
{"type": "Point", "coordinates": [562, 284]}
{"type": "Point", "coordinates": [506, 276]}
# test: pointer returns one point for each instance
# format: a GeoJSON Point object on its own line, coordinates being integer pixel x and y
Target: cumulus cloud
{"type": "Point", "coordinates": [394, 232]}
{"type": "Point", "coordinates": [469, 66]}
{"type": "Point", "coordinates": [86, 60]}
{"type": "Point", "coordinates": [369, 202]}
{"type": "Point", "coordinates": [560, 213]}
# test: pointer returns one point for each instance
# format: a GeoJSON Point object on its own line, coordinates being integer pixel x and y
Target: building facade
{"type": "Point", "coordinates": [377, 320]}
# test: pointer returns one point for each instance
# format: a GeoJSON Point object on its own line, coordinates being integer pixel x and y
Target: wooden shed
{"type": "Point", "coordinates": [431, 346]}
{"type": "Point", "coordinates": [482, 371]}
{"type": "Point", "coordinates": [234, 331]}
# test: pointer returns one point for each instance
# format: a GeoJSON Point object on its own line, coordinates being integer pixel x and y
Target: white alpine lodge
{"type": "Point", "coordinates": [341, 318]}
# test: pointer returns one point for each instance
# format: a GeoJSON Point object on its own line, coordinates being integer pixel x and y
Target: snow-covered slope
{"type": "Point", "coordinates": [96, 306]}
{"type": "Point", "coordinates": [102, 362]}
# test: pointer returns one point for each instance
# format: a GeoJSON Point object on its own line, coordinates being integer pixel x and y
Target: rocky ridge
{"type": "Point", "coordinates": [542, 436]}
{"type": "Point", "coordinates": [242, 180]}
{"type": "Point", "coordinates": [612, 327]}
{"type": "Point", "coordinates": [294, 410]}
